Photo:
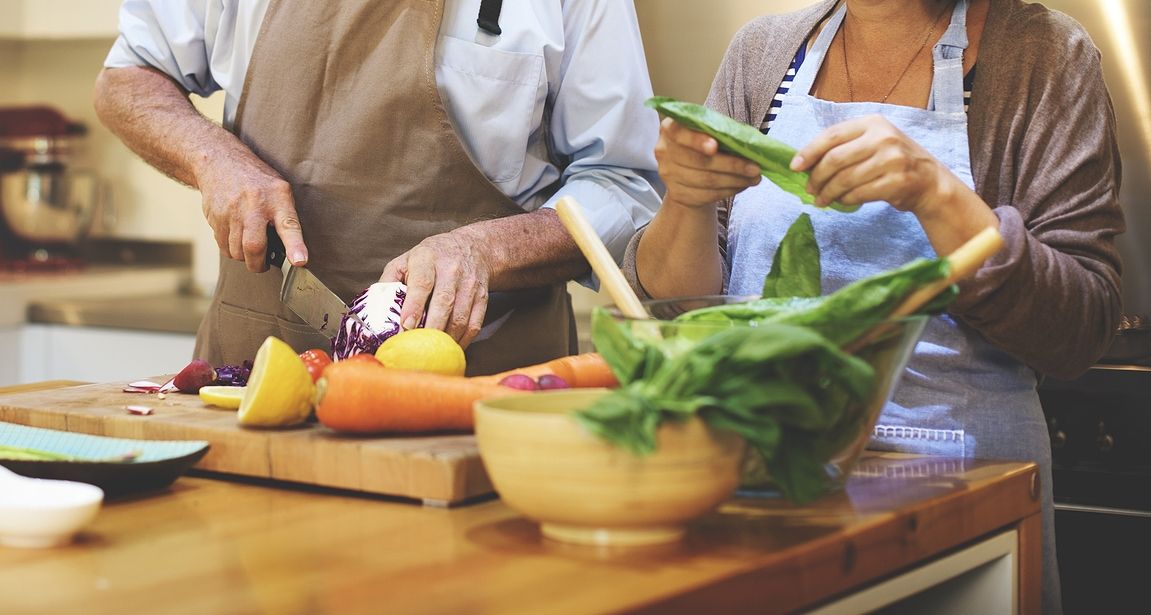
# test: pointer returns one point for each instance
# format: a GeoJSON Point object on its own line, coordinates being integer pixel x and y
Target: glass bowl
{"type": "Point", "coordinates": [885, 345]}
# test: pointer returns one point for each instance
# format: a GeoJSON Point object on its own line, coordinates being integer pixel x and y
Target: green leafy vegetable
{"type": "Point", "coordinates": [795, 270]}
{"type": "Point", "coordinates": [780, 379]}
{"type": "Point", "coordinates": [772, 156]}
{"type": "Point", "coordinates": [770, 384]}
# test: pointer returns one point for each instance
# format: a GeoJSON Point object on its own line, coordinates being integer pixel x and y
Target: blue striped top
{"type": "Point", "coordinates": [785, 85]}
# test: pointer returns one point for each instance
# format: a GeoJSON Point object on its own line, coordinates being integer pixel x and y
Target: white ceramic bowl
{"type": "Point", "coordinates": [40, 513]}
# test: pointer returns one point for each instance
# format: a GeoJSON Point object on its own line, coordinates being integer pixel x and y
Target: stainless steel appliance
{"type": "Point", "coordinates": [1100, 427]}
{"type": "Point", "coordinates": [1101, 423]}
{"type": "Point", "coordinates": [46, 205]}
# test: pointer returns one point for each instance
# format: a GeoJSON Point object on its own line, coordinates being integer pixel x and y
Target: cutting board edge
{"type": "Point", "coordinates": [449, 475]}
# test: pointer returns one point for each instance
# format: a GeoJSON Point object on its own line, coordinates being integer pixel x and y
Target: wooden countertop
{"type": "Point", "coordinates": [210, 545]}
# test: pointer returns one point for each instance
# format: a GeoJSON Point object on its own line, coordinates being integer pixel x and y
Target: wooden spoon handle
{"type": "Point", "coordinates": [600, 259]}
{"type": "Point", "coordinates": [964, 261]}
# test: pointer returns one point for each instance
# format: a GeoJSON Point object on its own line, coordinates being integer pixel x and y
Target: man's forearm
{"type": "Point", "coordinates": [528, 250]}
{"type": "Point", "coordinates": [152, 115]}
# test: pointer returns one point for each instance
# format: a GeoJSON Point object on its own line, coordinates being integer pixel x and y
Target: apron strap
{"type": "Point", "coordinates": [947, 83]}
{"type": "Point", "coordinates": [489, 19]}
{"type": "Point", "coordinates": [805, 78]}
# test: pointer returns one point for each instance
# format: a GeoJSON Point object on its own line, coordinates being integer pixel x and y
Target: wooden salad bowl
{"type": "Point", "coordinates": [585, 490]}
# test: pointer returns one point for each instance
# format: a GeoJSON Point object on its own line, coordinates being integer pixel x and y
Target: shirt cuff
{"type": "Point", "coordinates": [612, 219]}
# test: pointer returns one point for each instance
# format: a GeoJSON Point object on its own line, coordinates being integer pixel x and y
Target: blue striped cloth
{"type": "Point", "coordinates": [777, 102]}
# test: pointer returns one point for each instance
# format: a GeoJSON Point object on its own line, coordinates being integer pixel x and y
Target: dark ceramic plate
{"type": "Point", "coordinates": [157, 463]}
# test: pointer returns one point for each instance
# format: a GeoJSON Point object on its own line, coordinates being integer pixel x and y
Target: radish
{"type": "Point", "coordinates": [519, 382]}
{"type": "Point", "coordinates": [198, 373]}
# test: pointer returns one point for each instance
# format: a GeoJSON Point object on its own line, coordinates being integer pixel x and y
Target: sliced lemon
{"type": "Point", "coordinates": [279, 391]}
{"type": "Point", "coordinates": [423, 350]}
{"type": "Point", "coordinates": [222, 396]}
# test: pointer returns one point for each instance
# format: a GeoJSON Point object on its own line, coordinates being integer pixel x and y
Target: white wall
{"type": "Point", "coordinates": [685, 39]}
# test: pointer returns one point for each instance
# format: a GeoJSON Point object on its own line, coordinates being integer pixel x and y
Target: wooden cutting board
{"type": "Point", "coordinates": [437, 469]}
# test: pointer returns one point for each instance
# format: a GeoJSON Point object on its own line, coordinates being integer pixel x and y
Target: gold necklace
{"type": "Point", "coordinates": [922, 46]}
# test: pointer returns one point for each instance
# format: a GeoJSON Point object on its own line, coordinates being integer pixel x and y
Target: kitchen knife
{"type": "Point", "coordinates": [305, 294]}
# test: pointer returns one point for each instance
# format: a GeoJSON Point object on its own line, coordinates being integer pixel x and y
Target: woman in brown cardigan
{"type": "Point", "coordinates": [941, 118]}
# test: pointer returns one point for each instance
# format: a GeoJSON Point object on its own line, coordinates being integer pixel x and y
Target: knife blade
{"type": "Point", "coordinates": [303, 293]}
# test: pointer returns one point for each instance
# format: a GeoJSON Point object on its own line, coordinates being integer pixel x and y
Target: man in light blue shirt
{"type": "Point", "coordinates": [546, 100]}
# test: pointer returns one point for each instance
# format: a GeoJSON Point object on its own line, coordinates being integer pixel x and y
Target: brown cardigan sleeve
{"type": "Point", "coordinates": [1045, 158]}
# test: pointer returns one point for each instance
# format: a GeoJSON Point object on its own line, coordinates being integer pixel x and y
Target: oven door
{"type": "Point", "coordinates": [1100, 427]}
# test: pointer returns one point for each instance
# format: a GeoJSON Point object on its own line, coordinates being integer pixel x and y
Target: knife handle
{"type": "Point", "coordinates": [275, 253]}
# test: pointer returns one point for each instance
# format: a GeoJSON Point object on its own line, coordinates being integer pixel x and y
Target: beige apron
{"type": "Point", "coordinates": [341, 99]}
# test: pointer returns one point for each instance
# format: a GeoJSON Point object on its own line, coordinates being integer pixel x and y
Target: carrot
{"type": "Point", "coordinates": [579, 371]}
{"type": "Point", "coordinates": [362, 398]}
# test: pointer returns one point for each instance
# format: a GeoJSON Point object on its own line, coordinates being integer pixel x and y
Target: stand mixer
{"type": "Point", "coordinates": [46, 207]}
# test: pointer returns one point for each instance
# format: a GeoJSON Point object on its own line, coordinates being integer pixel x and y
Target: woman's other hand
{"type": "Point", "coordinates": [869, 159]}
{"type": "Point", "coordinates": [695, 173]}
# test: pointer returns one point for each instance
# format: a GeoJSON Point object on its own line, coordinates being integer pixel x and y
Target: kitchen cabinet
{"type": "Point", "coordinates": [156, 323]}
{"type": "Point", "coordinates": [58, 19]}
{"type": "Point", "coordinates": [95, 354]}
{"type": "Point", "coordinates": [35, 352]}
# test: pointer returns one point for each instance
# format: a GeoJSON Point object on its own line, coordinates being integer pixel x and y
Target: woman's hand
{"type": "Point", "coordinates": [869, 159]}
{"type": "Point", "coordinates": [695, 173]}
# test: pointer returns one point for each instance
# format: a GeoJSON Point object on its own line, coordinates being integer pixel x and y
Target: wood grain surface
{"type": "Point", "coordinates": [435, 468]}
{"type": "Point", "coordinates": [232, 546]}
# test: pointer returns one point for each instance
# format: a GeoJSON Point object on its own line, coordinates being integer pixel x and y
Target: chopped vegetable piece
{"type": "Point", "coordinates": [521, 382]}
{"type": "Point", "coordinates": [196, 374]}
{"type": "Point", "coordinates": [551, 381]}
{"type": "Point", "coordinates": [373, 317]}
{"type": "Point", "coordinates": [316, 359]}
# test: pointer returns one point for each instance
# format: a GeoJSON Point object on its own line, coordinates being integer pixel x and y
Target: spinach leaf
{"type": "Point", "coordinates": [841, 316]}
{"type": "Point", "coordinates": [795, 269]}
{"type": "Point", "coordinates": [850, 311]}
{"type": "Point", "coordinates": [754, 310]}
{"type": "Point", "coordinates": [772, 156]}
{"type": "Point", "coordinates": [771, 384]}
{"type": "Point", "coordinates": [780, 379]}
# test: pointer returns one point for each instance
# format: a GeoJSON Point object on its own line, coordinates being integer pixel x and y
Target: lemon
{"type": "Point", "coordinates": [222, 396]}
{"type": "Point", "coordinates": [279, 391]}
{"type": "Point", "coordinates": [424, 350]}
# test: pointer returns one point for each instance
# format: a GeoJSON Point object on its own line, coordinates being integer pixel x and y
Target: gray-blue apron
{"type": "Point", "coordinates": [960, 396]}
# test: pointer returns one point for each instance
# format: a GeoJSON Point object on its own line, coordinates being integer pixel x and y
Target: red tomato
{"type": "Point", "coordinates": [316, 360]}
{"type": "Point", "coordinates": [366, 357]}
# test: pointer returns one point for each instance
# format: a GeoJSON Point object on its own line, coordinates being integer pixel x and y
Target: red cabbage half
{"type": "Point", "coordinates": [378, 307]}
